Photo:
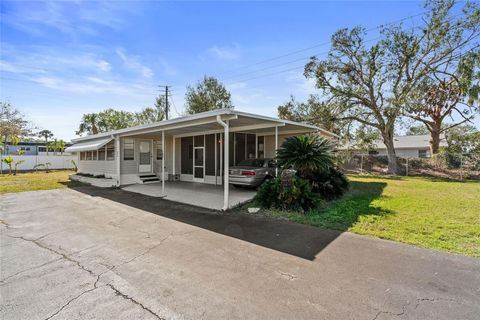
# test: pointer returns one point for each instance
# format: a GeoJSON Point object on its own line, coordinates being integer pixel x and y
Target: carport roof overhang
{"type": "Point", "coordinates": [206, 122]}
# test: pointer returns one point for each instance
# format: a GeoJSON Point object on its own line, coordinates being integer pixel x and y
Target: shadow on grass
{"type": "Point", "coordinates": [296, 239]}
{"type": "Point", "coordinates": [342, 213]}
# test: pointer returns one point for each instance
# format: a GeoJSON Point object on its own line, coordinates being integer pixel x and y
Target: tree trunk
{"type": "Point", "coordinates": [435, 137]}
{"type": "Point", "coordinates": [392, 158]}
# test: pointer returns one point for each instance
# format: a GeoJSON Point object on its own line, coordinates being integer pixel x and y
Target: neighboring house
{"type": "Point", "coordinates": [197, 148]}
{"type": "Point", "coordinates": [29, 148]}
{"type": "Point", "coordinates": [405, 146]}
{"type": "Point", "coordinates": [410, 146]}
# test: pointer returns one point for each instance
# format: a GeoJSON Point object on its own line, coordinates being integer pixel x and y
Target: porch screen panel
{"type": "Point", "coordinates": [239, 147]}
{"type": "Point", "coordinates": [187, 155]}
{"type": "Point", "coordinates": [198, 141]}
{"type": "Point", "coordinates": [250, 146]}
{"type": "Point", "coordinates": [261, 147]}
{"type": "Point", "coordinates": [210, 155]}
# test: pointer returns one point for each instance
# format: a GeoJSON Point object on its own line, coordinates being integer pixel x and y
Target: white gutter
{"type": "Point", "coordinates": [226, 145]}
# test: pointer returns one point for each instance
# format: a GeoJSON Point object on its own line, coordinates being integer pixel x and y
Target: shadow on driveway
{"type": "Point", "coordinates": [296, 239]}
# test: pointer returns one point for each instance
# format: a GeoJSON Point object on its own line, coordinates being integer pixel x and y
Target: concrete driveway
{"type": "Point", "coordinates": [111, 254]}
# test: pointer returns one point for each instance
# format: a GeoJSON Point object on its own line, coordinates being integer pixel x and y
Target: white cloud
{"type": "Point", "coordinates": [94, 85]}
{"type": "Point", "coordinates": [68, 17]}
{"type": "Point", "coordinates": [133, 63]}
{"type": "Point", "coordinates": [225, 53]}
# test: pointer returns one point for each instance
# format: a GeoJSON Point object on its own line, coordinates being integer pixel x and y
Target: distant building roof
{"type": "Point", "coordinates": [30, 143]}
{"type": "Point", "coordinates": [411, 142]}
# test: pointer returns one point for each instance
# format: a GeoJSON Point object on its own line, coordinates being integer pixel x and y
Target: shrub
{"type": "Point", "coordinates": [329, 184]}
{"type": "Point", "coordinates": [305, 154]}
{"type": "Point", "coordinates": [297, 195]}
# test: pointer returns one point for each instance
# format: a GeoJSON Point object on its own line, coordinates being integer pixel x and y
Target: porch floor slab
{"type": "Point", "coordinates": [197, 194]}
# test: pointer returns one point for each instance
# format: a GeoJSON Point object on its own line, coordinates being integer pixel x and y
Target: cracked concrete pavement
{"type": "Point", "coordinates": [110, 254]}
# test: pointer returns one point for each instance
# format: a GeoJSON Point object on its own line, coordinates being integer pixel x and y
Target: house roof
{"type": "Point", "coordinates": [206, 121]}
{"type": "Point", "coordinates": [411, 142]}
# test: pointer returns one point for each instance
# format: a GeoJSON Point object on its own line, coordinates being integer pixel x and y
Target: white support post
{"type": "Point", "coordinates": [276, 147]}
{"type": "Point", "coordinates": [226, 153]}
{"type": "Point", "coordinates": [226, 173]}
{"type": "Point", "coordinates": [163, 162]}
{"type": "Point", "coordinates": [256, 146]}
{"type": "Point", "coordinates": [173, 156]}
{"type": "Point", "coordinates": [221, 156]}
{"type": "Point", "coordinates": [216, 164]}
{"type": "Point", "coordinates": [118, 156]}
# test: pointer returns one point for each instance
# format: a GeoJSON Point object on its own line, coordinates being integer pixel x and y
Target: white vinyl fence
{"type": "Point", "coordinates": [56, 162]}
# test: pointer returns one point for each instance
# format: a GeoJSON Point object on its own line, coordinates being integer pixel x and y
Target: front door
{"type": "Point", "coordinates": [145, 156]}
{"type": "Point", "coordinates": [198, 164]}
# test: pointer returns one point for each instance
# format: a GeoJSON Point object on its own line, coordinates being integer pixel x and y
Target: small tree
{"type": "Point", "coordinates": [46, 134]}
{"type": "Point", "coordinates": [208, 94]}
{"type": "Point", "coordinates": [9, 162]}
{"type": "Point", "coordinates": [12, 164]}
{"type": "Point", "coordinates": [305, 154]}
{"type": "Point", "coordinates": [16, 163]}
{"type": "Point", "coordinates": [13, 125]}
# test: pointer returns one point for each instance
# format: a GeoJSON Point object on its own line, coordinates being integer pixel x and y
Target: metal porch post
{"type": "Point", "coordinates": [118, 154]}
{"type": "Point", "coordinates": [163, 162]}
{"type": "Point", "coordinates": [276, 147]}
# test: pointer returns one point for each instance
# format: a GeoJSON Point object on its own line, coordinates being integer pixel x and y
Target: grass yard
{"type": "Point", "coordinates": [435, 214]}
{"type": "Point", "coordinates": [35, 181]}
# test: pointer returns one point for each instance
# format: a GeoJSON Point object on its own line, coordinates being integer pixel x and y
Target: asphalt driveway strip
{"type": "Point", "coordinates": [90, 253]}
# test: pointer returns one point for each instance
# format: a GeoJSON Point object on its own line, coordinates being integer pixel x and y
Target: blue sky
{"type": "Point", "coordinates": [60, 60]}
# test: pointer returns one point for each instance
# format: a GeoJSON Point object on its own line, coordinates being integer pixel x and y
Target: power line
{"type": "Point", "coordinates": [302, 66]}
{"type": "Point", "coordinates": [318, 45]}
{"type": "Point", "coordinates": [305, 57]}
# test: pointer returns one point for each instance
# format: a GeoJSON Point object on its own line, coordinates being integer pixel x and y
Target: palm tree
{"type": "Point", "coordinates": [61, 146]}
{"type": "Point", "coordinates": [46, 134]}
{"type": "Point", "coordinates": [305, 154]}
{"type": "Point", "coordinates": [89, 124]}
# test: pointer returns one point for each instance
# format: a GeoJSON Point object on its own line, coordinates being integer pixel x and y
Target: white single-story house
{"type": "Point", "coordinates": [410, 146]}
{"type": "Point", "coordinates": [197, 148]}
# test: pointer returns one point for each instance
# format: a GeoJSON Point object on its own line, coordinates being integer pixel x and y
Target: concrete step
{"type": "Point", "coordinates": [150, 181]}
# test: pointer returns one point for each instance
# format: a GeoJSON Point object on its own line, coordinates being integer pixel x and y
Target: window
{"type": "Point", "coordinates": [42, 149]}
{"type": "Point", "coordinates": [422, 153]}
{"type": "Point", "coordinates": [110, 151]}
{"type": "Point", "coordinates": [101, 154]}
{"type": "Point", "coordinates": [128, 149]}
{"type": "Point", "coordinates": [82, 155]}
{"type": "Point", "coordinates": [94, 155]}
{"type": "Point", "coordinates": [89, 155]}
{"type": "Point", "coordinates": [25, 148]}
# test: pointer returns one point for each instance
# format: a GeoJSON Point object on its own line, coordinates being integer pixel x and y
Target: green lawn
{"type": "Point", "coordinates": [435, 214]}
{"type": "Point", "coordinates": [35, 181]}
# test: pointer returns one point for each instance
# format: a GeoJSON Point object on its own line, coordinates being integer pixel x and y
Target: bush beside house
{"type": "Point", "coordinates": [308, 176]}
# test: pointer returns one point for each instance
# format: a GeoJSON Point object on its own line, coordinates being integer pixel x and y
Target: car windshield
{"type": "Point", "coordinates": [252, 163]}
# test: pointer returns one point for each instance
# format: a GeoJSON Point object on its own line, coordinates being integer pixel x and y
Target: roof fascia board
{"type": "Point", "coordinates": [166, 128]}
{"type": "Point", "coordinates": [232, 129]}
{"type": "Point", "coordinates": [281, 133]}
{"type": "Point", "coordinates": [159, 124]}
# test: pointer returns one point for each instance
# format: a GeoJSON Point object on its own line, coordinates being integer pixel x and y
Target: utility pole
{"type": "Point", "coordinates": [166, 101]}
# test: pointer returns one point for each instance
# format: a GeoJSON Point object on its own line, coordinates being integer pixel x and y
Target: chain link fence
{"type": "Point", "coordinates": [443, 165]}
